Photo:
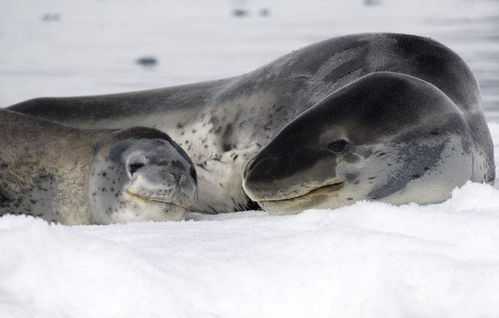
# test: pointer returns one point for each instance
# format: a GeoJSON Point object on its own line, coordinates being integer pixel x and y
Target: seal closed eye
{"type": "Point", "coordinates": [76, 176]}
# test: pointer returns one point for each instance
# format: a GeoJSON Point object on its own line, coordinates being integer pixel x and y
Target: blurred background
{"type": "Point", "coordinates": [82, 47]}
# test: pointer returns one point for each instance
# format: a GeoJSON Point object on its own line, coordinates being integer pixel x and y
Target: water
{"type": "Point", "coordinates": [61, 48]}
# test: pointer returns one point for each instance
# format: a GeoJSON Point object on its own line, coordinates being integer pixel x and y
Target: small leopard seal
{"type": "Point", "coordinates": [321, 131]}
{"type": "Point", "coordinates": [75, 176]}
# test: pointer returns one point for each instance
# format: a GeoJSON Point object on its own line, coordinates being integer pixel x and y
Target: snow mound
{"type": "Point", "coordinates": [365, 260]}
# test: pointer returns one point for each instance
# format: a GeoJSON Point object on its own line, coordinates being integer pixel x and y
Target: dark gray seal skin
{"type": "Point", "coordinates": [223, 124]}
{"type": "Point", "coordinates": [405, 142]}
{"type": "Point", "coordinates": [75, 176]}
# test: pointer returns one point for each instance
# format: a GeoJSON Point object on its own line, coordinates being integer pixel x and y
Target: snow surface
{"type": "Point", "coordinates": [365, 260]}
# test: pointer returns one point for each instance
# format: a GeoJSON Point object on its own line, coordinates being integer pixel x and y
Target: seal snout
{"type": "Point", "coordinates": [275, 175]}
{"type": "Point", "coordinates": [177, 177]}
{"type": "Point", "coordinates": [169, 184]}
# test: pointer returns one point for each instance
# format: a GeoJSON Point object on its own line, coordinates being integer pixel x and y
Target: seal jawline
{"type": "Point", "coordinates": [154, 199]}
{"type": "Point", "coordinates": [320, 191]}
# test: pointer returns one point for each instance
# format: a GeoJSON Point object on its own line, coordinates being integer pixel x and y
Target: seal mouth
{"type": "Point", "coordinates": [153, 199]}
{"type": "Point", "coordinates": [317, 192]}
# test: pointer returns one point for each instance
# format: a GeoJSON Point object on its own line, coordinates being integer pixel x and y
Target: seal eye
{"type": "Point", "coordinates": [133, 167]}
{"type": "Point", "coordinates": [339, 145]}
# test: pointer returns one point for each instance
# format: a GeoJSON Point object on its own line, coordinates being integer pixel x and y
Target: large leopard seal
{"type": "Point", "coordinates": [331, 115]}
{"type": "Point", "coordinates": [76, 176]}
{"type": "Point", "coordinates": [406, 141]}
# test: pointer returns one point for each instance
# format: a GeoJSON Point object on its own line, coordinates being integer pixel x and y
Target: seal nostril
{"type": "Point", "coordinates": [183, 179]}
{"type": "Point", "coordinates": [177, 177]}
{"type": "Point", "coordinates": [171, 177]}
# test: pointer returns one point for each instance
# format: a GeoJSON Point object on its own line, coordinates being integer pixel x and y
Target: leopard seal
{"type": "Point", "coordinates": [75, 176]}
{"type": "Point", "coordinates": [404, 142]}
{"type": "Point", "coordinates": [320, 130]}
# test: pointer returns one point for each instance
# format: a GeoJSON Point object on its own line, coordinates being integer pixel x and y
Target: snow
{"type": "Point", "coordinates": [366, 260]}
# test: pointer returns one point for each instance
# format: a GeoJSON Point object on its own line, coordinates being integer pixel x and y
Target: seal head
{"type": "Point", "coordinates": [387, 136]}
{"type": "Point", "coordinates": [141, 174]}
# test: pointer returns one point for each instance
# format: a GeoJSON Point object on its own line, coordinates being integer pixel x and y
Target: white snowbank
{"type": "Point", "coordinates": [365, 260]}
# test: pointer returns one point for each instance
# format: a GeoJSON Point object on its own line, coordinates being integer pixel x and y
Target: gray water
{"type": "Point", "coordinates": [477, 41]}
{"type": "Point", "coordinates": [63, 48]}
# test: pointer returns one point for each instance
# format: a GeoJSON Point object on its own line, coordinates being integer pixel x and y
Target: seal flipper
{"type": "Point", "coordinates": [228, 167]}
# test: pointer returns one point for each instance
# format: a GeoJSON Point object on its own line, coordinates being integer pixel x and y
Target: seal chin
{"type": "Point", "coordinates": [296, 204]}
{"type": "Point", "coordinates": [146, 199]}
{"type": "Point", "coordinates": [155, 207]}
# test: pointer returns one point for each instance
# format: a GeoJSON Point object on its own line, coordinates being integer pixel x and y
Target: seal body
{"type": "Point", "coordinates": [76, 176]}
{"type": "Point", "coordinates": [223, 124]}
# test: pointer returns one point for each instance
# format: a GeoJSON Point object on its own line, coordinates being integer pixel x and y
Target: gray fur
{"type": "Point", "coordinates": [70, 176]}
{"type": "Point", "coordinates": [223, 124]}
